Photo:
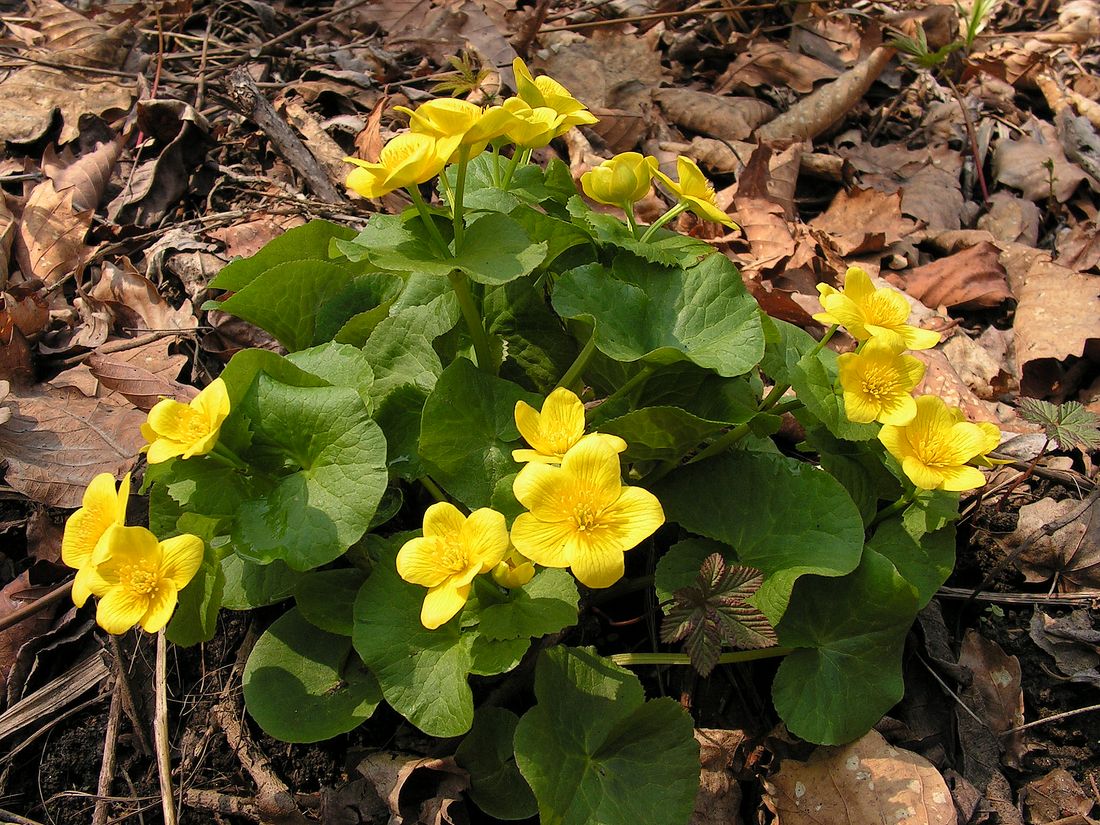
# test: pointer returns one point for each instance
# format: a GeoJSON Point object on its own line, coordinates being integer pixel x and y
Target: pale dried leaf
{"type": "Point", "coordinates": [73, 38]}
{"type": "Point", "coordinates": [14, 595]}
{"type": "Point", "coordinates": [726, 118]}
{"type": "Point", "coordinates": [1072, 642]}
{"type": "Point", "coordinates": [970, 279]}
{"type": "Point", "coordinates": [942, 379]}
{"type": "Point", "coordinates": [718, 800]}
{"type": "Point", "coordinates": [57, 441]}
{"type": "Point", "coordinates": [16, 358]}
{"type": "Point", "coordinates": [996, 689]}
{"type": "Point", "coordinates": [50, 242]}
{"type": "Point", "coordinates": [317, 140]}
{"type": "Point", "coordinates": [87, 175]}
{"type": "Point", "coordinates": [27, 308]}
{"type": "Point", "coordinates": [1072, 553]}
{"type": "Point", "coordinates": [1011, 219]}
{"type": "Point", "coordinates": [927, 178]}
{"type": "Point", "coordinates": [136, 300]}
{"type": "Point", "coordinates": [765, 63]}
{"type": "Point", "coordinates": [7, 235]}
{"type": "Point", "coordinates": [144, 375]}
{"type": "Point", "coordinates": [247, 238]}
{"type": "Point", "coordinates": [607, 71]}
{"type": "Point", "coordinates": [1079, 246]}
{"type": "Point", "coordinates": [1054, 798]}
{"type": "Point", "coordinates": [863, 220]}
{"type": "Point", "coordinates": [866, 781]}
{"type": "Point", "coordinates": [1038, 169]}
{"type": "Point", "coordinates": [30, 96]}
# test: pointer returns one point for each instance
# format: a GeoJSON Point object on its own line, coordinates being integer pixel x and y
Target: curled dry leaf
{"type": "Point", "coordinates": [863, 220]}
{"type": "Point", "coordinates": [1072, 642]}
{"type": "Point", "coordinates": [50, 241]}
{"type": "Point", "coordinates": [73, 38]}
{"type": "Point", "coordinates": [766, 63]}
{"type": "Point", "coordinates": [143, 375]}
{"type": "Point", "coordinates": [1011, 219]}
{"type": "Point", "coordinates": [57, 441]}
{"type": "Point", "coordinates": [1056, 797]}
{"type": "Point", "coordinates": [438, 785]}
{"type": "Point", "coordinates": [1079, 246]}
{"type": "Point", "coordinates": [866, 781]}
{"type": "Point", "coordinates": [5, 410]}
{"type": "Point", "coordinates": [970, 279]}
{"type": "Point", "coordinates": [87, 175]}
{"type": "Point", "coordinates": [136, 302]}
{"type": "Point", "coordinates": [7, 234]}
{"type": "Point", "coordinates": [14, 595]}
{"type": "Point", "coordinates": [728, 118]}
{"type": "Point", "coordinates": [27, 307]}
{"type": "Point", "coordinates": [718, 800]}
{"type": "Point", "coordinates": [1038, 168]}
{"type": "Point", "coordinates": [1071, 553]}
{"type": "Point", "coordinates": [995, 693]}
{"type": "Point", "coordinates": [927, 178]}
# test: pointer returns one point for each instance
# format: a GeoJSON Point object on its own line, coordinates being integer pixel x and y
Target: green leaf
{"type": "Point", "coordinates": [196, 617]}
{"type": "Point", "coordinates": [422, 672]}
{"type": "Point", "coordinates": [546, 604]}
{"type": "Point", "coordinates": [666, 248]}
{"type": "Point", "coordinates": [858, 466]}
{"type": "Point", "coordinates": [367, 296]}
{"type": "Point", "coordinates": [781, 516]}
{"type": "Point", "coordinates": [341, 365]}
{"type": "Point", "coordinates": [304, 685]}
{"type": "Point", "coordinates": [398, 243]}
{"type": "Point", "coordinates": [786, 344]}
{"type": "Point", "coordinates": [931, 510]}
{"type": "Point", "coordinates": [496, 785]}
{"type": "Point", "coordinates": [400, 348]}
{"type": "Point", "coordinates": [680, 564]}
{"type": "Point", "coordinates": [539, 350]}
{"type": "Point", "coordinates": [492, 657]}
{"type": "Point", "coordinates": [338, 457]}
{"type": "Point", "coordinates": [924, 562]}
{"type": "Point", "coordinates": [851, 634]}
{"type": "Point", "coordinates": [593, 750]}
{"type": "Point", "coordinates": [814, 379]}
{"type": "Point", "coordinates": [305, 244]}
{"type": "Point", "coordinates": [702, 393]}
{"type": "Point", "coordinates": [660, 433]}
{"type": "Point", "coordinates": [1069, 424]}
{"type": "Point", "coordinates": [701, 314]}
{"type": "Point", "coordinates": [249, 585]}
{"type": "Point", "coordinates": [326, 598]}
{"type": "Point", "coordinates": [399, 418]}
{"type": "Point", "coordinates": [468, 431]}
{"type": "Point", "coordinates": [559, 235]}
{"type": "Point", "coordinates": [497, 249]}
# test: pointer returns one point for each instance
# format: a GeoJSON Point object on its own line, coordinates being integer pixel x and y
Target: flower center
{"type": "Point", "coordinates": [452, 557]}
{"type": "Point", "coordinates": [139, 579]}
{"type": "Point", "coordinates": [878, 383]}
{"type": "Point", "coordinates": [195, 426]}
{"type": "Point", "coordinates": [884, 309]}
{"type": "Point", "coordinates": [585, 517]}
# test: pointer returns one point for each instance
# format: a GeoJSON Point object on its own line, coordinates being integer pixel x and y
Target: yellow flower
{"type": "Point", "coordinates": [453, 550]}
{"type": "Point", "coordinates": [867, 312]}
{"type": "Point", "coordinates": [447, 117]}
{"type": "Point", "coordinates": [515, 571]}
{"type": "Point", "coordinates": [581, 515]}
{"type": "Point", "coordinates": [623, 180]}
{"type": "Point", "coordinates": [138, 578]}
{"type": "Point", "coordinates": [696, 191]}
{"type": "Point", "coordinates": [406, 160]}
{"type": "Point", "coordinates": [556, 429]}
{"type": "Point", "coordinates": [532, 128]}
{"type": "Point", "coordinates": [544, 91]}
{"type": "Point", "coordinates": [992, 441]}
{"type": "Point", "coordinates": [936, 445]}
{"type": "Point", "coordinates": [175, 429]}
{"type": "Point", "coordinates": [877, 383]}
{"type": "Point", "coordinates": [101, 509]}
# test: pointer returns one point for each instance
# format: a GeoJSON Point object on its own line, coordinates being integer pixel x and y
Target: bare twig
{"type": "Point", "coordinates": [107, 766]}
{"type": "Point", "coordinates": [529, 30]}
{"type": "Point", "coordinates": [160, 731]}
{"type": "Point", "coordinates": [127, 690]}
{"type": "Point", "coordinates": [27, 610]}
{"type": "Point", "coordinates": [1053, 718]}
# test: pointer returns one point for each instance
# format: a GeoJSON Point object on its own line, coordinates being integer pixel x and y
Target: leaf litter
{"type": "Point", "coordinates": [129, 179]}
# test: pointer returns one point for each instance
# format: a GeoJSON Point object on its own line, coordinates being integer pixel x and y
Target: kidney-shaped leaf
{"type": "Point", "coordinates": [593, 750]}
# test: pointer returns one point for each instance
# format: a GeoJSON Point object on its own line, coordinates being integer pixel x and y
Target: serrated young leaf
{"type": "Point", "coordinates": [712, 613]}
{"type": "Point", "coordinates": [1069, 424]}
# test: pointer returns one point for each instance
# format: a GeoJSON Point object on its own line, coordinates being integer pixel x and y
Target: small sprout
{"type": "Point", "coordinates": [1069, 424]}
{"type": "Point", "coordinates": [918, 49]}
{"type": "Point", "coordinates": [713, 613]}
{"type": "Point", "coordinates": [467, 77]}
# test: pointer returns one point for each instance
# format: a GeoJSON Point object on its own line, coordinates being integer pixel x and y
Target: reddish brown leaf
{"type": "Point", "coordinates": [58, 440]}
{"type": "Point", "coordinates": [87, 175]}
{"type": "Point", "coordinates": [730, 118]}
{"type": "Point", "coordinates": [863, 220]}
{"type": "Point", "coordinates": [1056, 798]}
{"type": "Point", "coordinates": [144, 377]}
{"type": "Point", "coordinates": [1037, 166]}
{"type": "Point", "coordinates": [16, 594]}
{"type": "Point", "coordinates": [136, 301]}
{"type": "Point", "coordinates": [970, 279]}
{"type": "Point", "coordinates": [50, 241]}
{"type": "Point", "coordinates": [765, 63]}
{"type": "Point", "coordinates": [996, 686]}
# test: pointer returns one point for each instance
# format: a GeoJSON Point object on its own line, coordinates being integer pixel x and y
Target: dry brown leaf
{"type": "Point", "coordinates": [970, 279]}
{"type": "Point", "coordinates": [317, 140]}
{"type": "Point", "coordinates": [1072, 642]}
{"type": "Point", "coordinates": [50, 241]}
{"type": "Point", "coordinates": [1057, 316]}
{"type": "Point", "coordinates": [87, 175]}
{"type": "Point", "coordinates": [766, 63]}
{"type": "Point", "coordinates": [1072, 553]}
{"type": "Point", "coordinates": [863, 220]}
{"type": "Point", "coordinates": [16, 359]}
{"type": "Point", "coordinates": [1039, 169]}
{"type": "Point", "coordinates": [30, 97]}
{"type": "Point", "coordinates": [928, 179]}
{"type": "Point", "coordinates": [942, 379]}
{"type": "Point", "coordinates": [981, 364]}
{"type": "Point", "coordinates": [57, 441]}
{"type": "Point", "coordinates": [830, 104]}
{"type": "Point", "coordinates": [73, 38]}
{"type": "Point", "coordinates": [1011, 219]}
{"type": "Point", "coordinates": [87, 330]}
{"type": "Point", "coordinates": [136, 302]}
{"type": "Point", "coordinates": [416, 790]}
{"type": "Point", "coordinates": [718, 800]}
{"type": "Point", "coordinates": [368, 143]}
{"type": "Point", "coordinates": [727, 118]}
{"type": "Point", "coordinates": [440, 30]}
{"type": "Point", "coordinates": [996, 689]}
{"type": "Point", "coordinates": [7, 234]}
{"type": "Point", "coordinates": [608, 70]}
{"type": "Point", "coordinates": [1054, 798]}
{"type": "Point", "coordinates": [1079, 246]}
{"type": "Point", "coordinates": [14, 595]}
{"type": "Point", "coordinates": [27, 308]}
{"type": "Point", "coordinates": [143, 375]}
{"type": "Point", "coordinates": [866, 781]}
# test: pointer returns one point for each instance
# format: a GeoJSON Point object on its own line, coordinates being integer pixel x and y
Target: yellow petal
{"type": "Point", "coordinates": [418, 562]}
{"type": "Point", "coordinates": [172, 420]}
{"type": "Point", "coordinates": [442, 604]}
{"type": "Point", "coordinates": [992, 434]}
{"type": "Point", "coordinates": [443, 520]}
{"type": "Point", "coordinates": [528, 424]}
{"type": "Point", "coordinates": [82, 585]}
{"type": "Point", "coordinates": [897, 410]}
{"type": "Point", "coordinates": [100, 509]}
{"type": "Point", "coordinates": [128, 547]}
{"type": "Point", "coordinates": [634, 517]}
{"type": "Point", "coordinates": [212, 403]}
{"type": "Point", "coordinates": [544, 490]}
{"type": "Point", "coordinates": [541, 541]}
{"type": "Point", "coordinates": [562, 421]}
{"type": "Point", "coordinates": [484, 536]}
{"type": "Point", "coordinates": [594, 563]}
{"type": "Point", "coordinates": [181, 557]}
{"type": "Point", "coordinates": [120, 609]}
{"type": "Point", "coordinates": [608, 440]}
{"type": "Point", "coordinates": [162, 449]}
{"type": "Point", "coordinates": [957, 479]}
{"type": "Point", "coordinates": [922, 476]}
{"type": "Point", "coordinates": [594, 472]}
{"type": "Point", "coordinates": [917, 338]}
{"type": "Point", "coordinates": [162, 603]}
{"type": "Point", "coordinates": [534, 456]}
{"type": "Point", "coordinates": [857, 284]}
{"type": "Point", "coordinates": [860, 408]}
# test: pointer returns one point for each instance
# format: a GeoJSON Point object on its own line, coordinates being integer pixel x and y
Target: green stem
{"type": "Point", "coordinates": [433, 489]}
{"type": "Point", "coordinates": [675, 211]}
{"type": "Point", "coordinates": [776, 393]}
{"type": "Point", "coordinates": [631, 221]}
{"type": "Point", "coordinates": [579, 363]}
{"type": "Point", "coordinates": [426, 218]}
{"type": "Point", "coordinates": [226, 456]}
{"type": "Point", "coordinates": [460, 190]}
{"type": "Point", "coordinates": [495, 167]}
{"type": "Point", "coordinates": [511, 168]}
{"type": "Point", "coordinates": [896, 507]}
{"type": "Point", "coordinates": [628, 659]}
{"type": "Point", "coordinates": [722, 443]}
{"type": "Point", "coordinates": [461, 285]}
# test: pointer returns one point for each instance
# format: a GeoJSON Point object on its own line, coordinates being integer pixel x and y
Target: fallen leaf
{"type": "Point", "coordinates": [136, 302]}
{"type": "Point", "coordinates": [1079, 246]}
{"type": "Point", "coordinates": [50, 240]}
{"type": "Point", "coordinates": [30, 97]}
{"type": "Point", "coordinates": [866, 781]}
{"type": "Point", "coordinates": [729, 118]}
{"type": "Point", "coordinates": [417, 790]}
{"type": "Point", "coordinates": [995, 693]}
{"type": "Point", "coordinates": [1057, 317]}
{"type": "Point", "coordinates": [1011, 219]}
{"type": "Point", "coordinates": [718, 800]}
{"type": "Point", "coordinates": [863, 220]}
{"type": "Point", "coordinates": [57, 441]}
{"type": "Point", "coordinates": [247, 238]}
{"type": "Point", "coordinates": [439, 30]}
{"type": "Point", "coordinates": [73, 38]}
{"type": "Point", "coordinates": [87, 175]}
{"type": "Point", "coordinates": [1072, 554]}
{"type": "Point", "coordinates": [27, 307]}
{"type": "Point", "coordinates": [14, 595]}
{"type": "Point", "coordinates": [7, 234]}
{"type": "Point", "coordinates": [927, 178]}
{"type": "Point", "coordinates": [16, 359]}
{"type": "Point", "coordinates": [970, 279]}
{"type": "Point", "coordinates": [1037, 167]}
{"type": "Point", "coordinates": [1072, 641]}
{"type": "Point", "coordinates": [1056, 797]}
{"type": "Point", "coordinates": [766, 63]}
{"type": "Point", "coordinates": [143, 375]}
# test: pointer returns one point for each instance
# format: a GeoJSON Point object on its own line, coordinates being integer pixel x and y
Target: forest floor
{"type": "Point", "coordinates": [144, 151]}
